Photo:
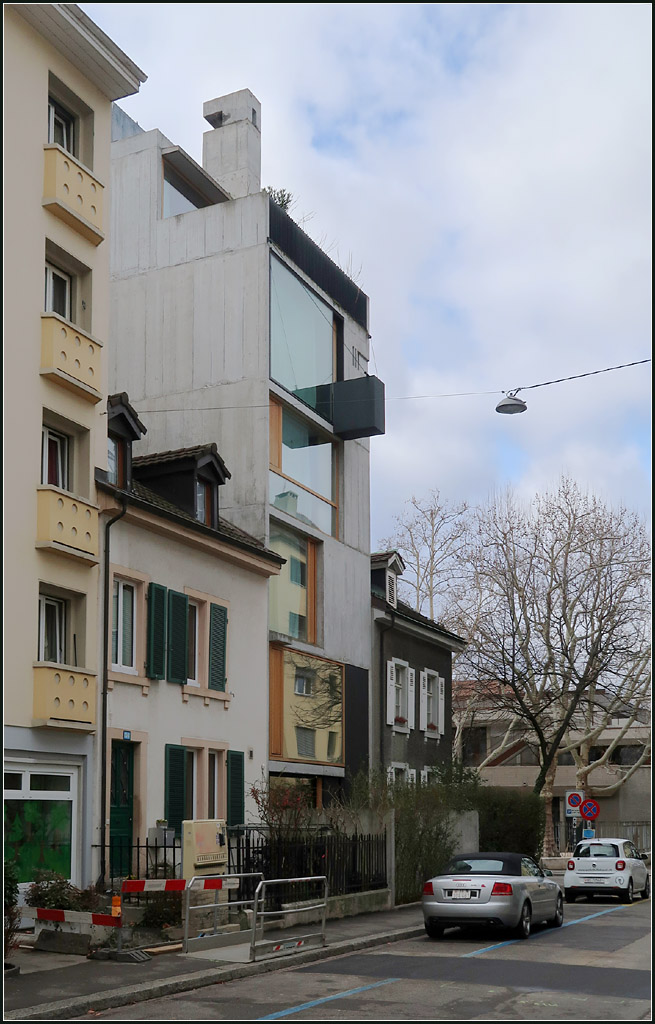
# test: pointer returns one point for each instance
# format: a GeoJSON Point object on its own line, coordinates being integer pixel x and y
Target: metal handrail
{"type": "Point", "coordinates": [216, 905]}
{"type": "Point", "coordinates": [295, 941]}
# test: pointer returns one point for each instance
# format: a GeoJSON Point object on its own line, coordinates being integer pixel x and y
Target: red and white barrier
{"type": "Point", "coordinates": [153, 885]}
{"type": "Point", "coordinates": [71, 916]}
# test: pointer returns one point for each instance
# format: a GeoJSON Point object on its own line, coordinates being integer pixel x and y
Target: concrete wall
{"type": "Point", "coordinates": [190, 322]}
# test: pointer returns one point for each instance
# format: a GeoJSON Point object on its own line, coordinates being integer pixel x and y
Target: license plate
{"type": "Point", "coordinates": [461, 894]}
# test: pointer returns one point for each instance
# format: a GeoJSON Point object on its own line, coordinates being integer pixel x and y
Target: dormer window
{"type": "Point", "coordinates": [116, 460]}
{"type": "Point", "coordinates": [204, 502]}
{"type": "Point", "coordinates": [391, 589]}
{"type": "Point", "coordinates": [123, 427]}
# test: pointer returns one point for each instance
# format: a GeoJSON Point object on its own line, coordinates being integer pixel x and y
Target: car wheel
{"type": "Point", "coordinates": [569, 897]}
{"type": "Point", "coordinates": [524, 926]}
{"type": "Point", "coordinates": [628, 895]}
{"type": "Point", "coordinates": [557, 921]}
{"type": "Point", "coordinates": [433, 930]}
{"type": "Point", "coordinates": [645, 892]}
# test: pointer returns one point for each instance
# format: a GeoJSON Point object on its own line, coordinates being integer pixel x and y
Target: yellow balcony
{"type": "Point", "coordinates": [67, 524]}
{"type": "Point", "coordinates": [72, 193]}
{"type": "Point", "coordinates": [64, 697]}
{"type": "Point", "coordinates": [71, 358]}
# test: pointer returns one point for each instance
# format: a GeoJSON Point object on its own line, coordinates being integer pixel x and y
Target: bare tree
{"type": "Point", "coordinates": [430, 535]}
{"type": "Point", "coordinates": [555, 604]}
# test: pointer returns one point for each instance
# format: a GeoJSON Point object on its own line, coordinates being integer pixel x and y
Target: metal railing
{"type": "Point", "coordinates": [218, 884]}
{"type": "Point", "coordinates": [282, 947]}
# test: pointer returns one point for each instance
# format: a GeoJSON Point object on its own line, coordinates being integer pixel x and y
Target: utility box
{"type": "Point", "coordinates": [204, 847]}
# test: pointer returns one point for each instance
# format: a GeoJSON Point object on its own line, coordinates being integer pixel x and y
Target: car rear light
{"type": "Point", "coordinates": [501, 889]}
{"type": "Point", "coordinates": [428, 889]}
{"type": "Point", "coordinates": [620, 865]}
{"type": "Point", "coordinates": [571, 865]}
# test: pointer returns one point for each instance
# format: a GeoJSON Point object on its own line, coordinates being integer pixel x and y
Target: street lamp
{"type": "Point", "coordinates": [511, 404]}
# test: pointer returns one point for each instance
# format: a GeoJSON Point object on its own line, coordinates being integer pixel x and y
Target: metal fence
{"type": "Point", "coordinates": [351, 863]}
{"type": "Point", "coordinates": [569, 832]}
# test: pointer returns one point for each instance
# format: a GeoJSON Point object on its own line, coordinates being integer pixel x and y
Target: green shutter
{"type": "Point", "coordinates": [175, 786]}
{"type": "Point", "coordinates": [236, 777]}
{"type": "Point", "coordinates": [156, 655]}
{"type": "Point", "coordinates": [217, 646]}
{"type": "Point", "coordinates": [178, 626]}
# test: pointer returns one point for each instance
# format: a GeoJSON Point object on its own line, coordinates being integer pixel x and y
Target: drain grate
{"type": "Point", "coordinates": [130, 956]}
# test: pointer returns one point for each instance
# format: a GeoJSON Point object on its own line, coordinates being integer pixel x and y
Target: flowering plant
{"type": "Point", "coordinates": [400, 720]}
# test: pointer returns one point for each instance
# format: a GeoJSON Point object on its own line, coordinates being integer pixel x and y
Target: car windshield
{"type": "Point", "coordinates": [596, 850]}
{"type": "Point", "coordinates": [476, 866]}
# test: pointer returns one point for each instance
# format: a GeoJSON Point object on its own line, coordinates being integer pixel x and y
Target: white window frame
{"type": "Point", "coordinates": [28, 768]}
{"type": "Point", "coordinates": [63, 445]}
{"type": "Point", "coordinates": [57, 112]}
{"type": "Point", "coordinates": [118, 665]}
{"type": "Point", "coordinates": [401, 683]}
{"type": "Point", "coordinates": [306, 690]}
{"type": "Point", "coordinates": [430, 687]}
{"type": "Point", "coordinates": [195, 680]}
{"type": "Point", "coordinates": [50, 270]}
{"type": "Point", "coordinates": [61, 622]}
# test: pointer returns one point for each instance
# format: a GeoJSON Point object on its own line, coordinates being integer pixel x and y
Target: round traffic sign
{"type": "Point", "coordinates": [574, 799]}
{"type": "Point", "coordinates": [589, 810]}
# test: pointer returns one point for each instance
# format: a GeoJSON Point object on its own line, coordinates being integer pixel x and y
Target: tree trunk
{"type": "Point", "coordinates": [550, 849]}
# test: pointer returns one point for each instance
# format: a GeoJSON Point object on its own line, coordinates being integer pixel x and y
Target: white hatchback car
{"type": "Point", "coordinates": [606, 867]}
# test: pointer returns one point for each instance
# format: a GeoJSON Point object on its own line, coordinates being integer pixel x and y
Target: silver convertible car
{"type": "Point", "coordinates": [504, 889]}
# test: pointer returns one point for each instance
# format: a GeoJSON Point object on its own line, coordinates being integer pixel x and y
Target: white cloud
{"type": "Point", "coordinates": [488, 166]}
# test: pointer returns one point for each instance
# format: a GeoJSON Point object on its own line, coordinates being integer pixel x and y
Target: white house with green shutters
{"type": "Point", "coordinates": [184, 717]}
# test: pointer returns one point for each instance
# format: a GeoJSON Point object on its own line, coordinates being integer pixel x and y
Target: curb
{"type": "Point", "coordinates": [65, 1009]}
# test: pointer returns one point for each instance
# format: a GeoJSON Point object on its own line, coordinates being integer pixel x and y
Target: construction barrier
{"type": "Point", "coordinates": [218, 884]}
{"type": "Point", "coordinates": [277, 947]}
{"type": "Point", "coordinates": [72, 916]}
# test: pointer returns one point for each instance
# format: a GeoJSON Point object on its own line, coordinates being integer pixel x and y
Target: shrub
{"type": "Point", "coordinates": [12, 913]}
{"type": "Point", "coordinates": [54, 892]}
{"type": "Point", "coordinates": [511, 820]}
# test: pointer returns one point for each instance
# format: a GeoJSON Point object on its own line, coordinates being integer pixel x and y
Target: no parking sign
{"type": "Point", "coordinates": [574, 801]}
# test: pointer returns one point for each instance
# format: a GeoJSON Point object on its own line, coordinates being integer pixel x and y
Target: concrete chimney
{"type": "Point", "coordinates": [232, 151]}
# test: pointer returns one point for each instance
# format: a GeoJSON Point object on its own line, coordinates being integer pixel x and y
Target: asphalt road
{"type": "Point", "coordinates": [597, 967]}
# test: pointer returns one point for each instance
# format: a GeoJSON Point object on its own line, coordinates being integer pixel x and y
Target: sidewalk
{"type": "Point", "coordinates": [53, 986]}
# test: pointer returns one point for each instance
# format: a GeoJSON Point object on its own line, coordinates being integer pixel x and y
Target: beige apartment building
{"type": "Point", "coordinates": [61, 75]}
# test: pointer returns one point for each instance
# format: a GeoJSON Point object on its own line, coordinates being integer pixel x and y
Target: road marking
{"type": "Point", "coordinates": [326, 999]}
{"type": "Point", "coordinates": [567, 924]}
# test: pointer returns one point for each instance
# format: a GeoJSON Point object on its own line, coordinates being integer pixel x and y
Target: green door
{"type": "Point", "coordinates": [121, 809]}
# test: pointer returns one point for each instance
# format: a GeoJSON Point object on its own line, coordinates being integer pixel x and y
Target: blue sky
{"type": "Point", "coordinates": [483, 170]}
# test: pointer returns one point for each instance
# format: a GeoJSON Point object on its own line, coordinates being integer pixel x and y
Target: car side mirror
{"type": "Point", "coordinates": [644, 856]}
{"type": "Point", "coordinates": [547, 871]}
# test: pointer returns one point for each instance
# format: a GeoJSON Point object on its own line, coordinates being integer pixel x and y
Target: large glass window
{"type": "Point", "coordinates": [303, 475]}
{"type": "Point", "coordinates": [312, 708]}
{"type": "Point", "coordinates": [292, 593]}
{"type": "Point", "coordinates": [39, 819]}
{"type": "Point", "coordinates": [303, 336]}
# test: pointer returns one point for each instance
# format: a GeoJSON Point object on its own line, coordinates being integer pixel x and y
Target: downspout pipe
{"type": "Point", "coordinates": [105, 696]}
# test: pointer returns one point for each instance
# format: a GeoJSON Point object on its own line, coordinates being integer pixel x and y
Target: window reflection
{"type": "Point", "coordinates": [302, 346]}
{"type": "Point", "coordinates": [290, 612]}
{"type": "Point", "coordinates": [313, 708]}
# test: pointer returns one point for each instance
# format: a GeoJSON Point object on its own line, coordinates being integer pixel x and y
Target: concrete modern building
{"type": "Point", "coordinates": [411, 682]}
{"type": "Point", "coordinates": [186, 731]}
{"type": "Point", "coordinates": [61, 75]}
{"type": "Point", "coordinates": [233, 327]}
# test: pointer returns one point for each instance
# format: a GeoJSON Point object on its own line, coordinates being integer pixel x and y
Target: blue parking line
{"type": "Point", "coordinates": [326, 999]}
{"type": "Point", "coordinates": [567, 924]}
